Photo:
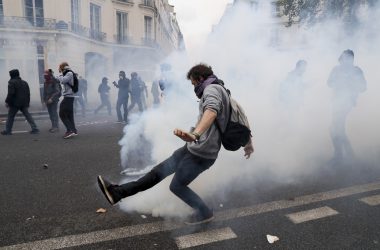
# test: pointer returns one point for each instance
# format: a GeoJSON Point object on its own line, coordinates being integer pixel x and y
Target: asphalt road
{"type": "Point", "coordinates": [54, 207]}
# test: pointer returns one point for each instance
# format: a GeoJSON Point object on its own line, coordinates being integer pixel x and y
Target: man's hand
{"type": "Point", "coordinates": [186, 136]}
{"type": "Point", "coordinates": [248, 149]}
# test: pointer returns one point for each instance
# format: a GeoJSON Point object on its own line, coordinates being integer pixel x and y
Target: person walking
{"type": "Point", "coordinates": [52, 92]}
{"type": "Point", "coordinates": [66, 108]}
{"type": "Point", "coordinates": [104, 91]}
{"type": "Point", "coordinates": [347, 81]}
{"type": "Point", "coordinates": [18, 99]}
{"type": "Point", "coordinates": [136, 90]}
{"type": "Point", "coordinates": [123, 96]}
{"type": "Point", "coordinates": [201, 150]}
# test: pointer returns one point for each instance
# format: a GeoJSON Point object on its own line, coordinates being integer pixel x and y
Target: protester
{"type": "Point", "coordinates": [144, 93]}
{"type": "Point", "coordinates": [200, 152]}
{"type": "Point", "coordinates": [84, 85]}
{"type": "Point", "coordinates": [18, 99]}
{"type": "Point", "coordinates": [293, 88]}
{"type": "Point", "coordinates": [79, 97]}
{"type": "Point", "coordinates": [66, 108]}
{"type": "Point", "coordinates": [123, 96]}
{"type": "Point", "coordinates": [52, 92]}
{"type": "Point", "coordinates": [136, 90]}
{"type": "Point", "coordinates": [104, 92]}
{"type": "Point", "coordinates": [155, 90]}
{"type": "Point", "coordinates": [347, 82]}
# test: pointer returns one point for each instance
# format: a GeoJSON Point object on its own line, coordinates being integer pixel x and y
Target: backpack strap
{"type": "Point", "coordinates": [221, 83]}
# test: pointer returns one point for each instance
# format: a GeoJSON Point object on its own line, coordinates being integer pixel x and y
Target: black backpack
{"type": "Point", "coordinates": [75, 87]}
{"type": "Point", "coordinates": [237, 133]}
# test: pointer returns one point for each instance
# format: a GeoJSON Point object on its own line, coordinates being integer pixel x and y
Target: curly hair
{"type": "Point", "coordinates": [198, 71]}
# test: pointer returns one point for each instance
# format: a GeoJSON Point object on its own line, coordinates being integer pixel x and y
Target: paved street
{"type": "Point", "coordinates": [55, 207]}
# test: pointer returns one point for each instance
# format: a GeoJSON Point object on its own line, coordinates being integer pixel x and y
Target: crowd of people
{"type": "Point", "coordinates": [73, 90]}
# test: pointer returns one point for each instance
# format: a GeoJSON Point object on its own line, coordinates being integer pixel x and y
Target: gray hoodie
{"type": "Point", "coordinates": [67, 82]}
{"type": "Point", "coordinates": [215, 98]}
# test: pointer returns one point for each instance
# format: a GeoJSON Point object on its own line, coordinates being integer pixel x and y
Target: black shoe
{"type": "Point", "coordinates": [107, 189]}
{"type": "Point", "coordinates": [199, 218]}
{"type": "Point", "coordinates": [6, 132]}
{"type": "Point", "coordinates": [35, 131]}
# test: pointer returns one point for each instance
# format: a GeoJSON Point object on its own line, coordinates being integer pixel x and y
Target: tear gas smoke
{"type": "Point", "coordinates": [253, 54]}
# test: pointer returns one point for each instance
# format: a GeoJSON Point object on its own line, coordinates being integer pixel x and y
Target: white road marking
{"type": "Point", "coordinates": [19, 132]}
{"type": "Point", "coordinates": [312, 214]}
{"type": "Point", "coordinates": [197, 239]}
{"type": "Point", "coordinates": [371, 200]}
{"type": "Point", "coordinates": [160, 226]}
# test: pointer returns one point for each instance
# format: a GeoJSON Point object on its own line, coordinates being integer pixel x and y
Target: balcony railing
{"type": "Point", "coordinates": [16, 22]}
{"type": "Point", "coordinates": [97, 35]}
{"type": "Point", "coordinates": [122, 39]}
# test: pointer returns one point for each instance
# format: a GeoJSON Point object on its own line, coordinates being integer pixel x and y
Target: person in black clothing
{"type": "Point", "coordinates": [52, 92]}
{"type": "Point", "coordinates": [136, 90]}
{"type": "Point", "coordinates": [18, 99]}
{"type": "Point", "coordinates": [104, 91]}
{"type": "Point", "coordinates": [347, 81]}
{"type": "Point", "coordinates": [123, 96]}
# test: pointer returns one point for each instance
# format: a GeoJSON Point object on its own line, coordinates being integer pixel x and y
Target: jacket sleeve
{"type": "Point", "coordinates": [67, 79]}
{"type": "Point", "coordinates": [11, 93]}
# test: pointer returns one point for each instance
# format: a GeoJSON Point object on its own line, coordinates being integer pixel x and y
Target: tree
{"type": "Point", "coordinates": [312, 11]}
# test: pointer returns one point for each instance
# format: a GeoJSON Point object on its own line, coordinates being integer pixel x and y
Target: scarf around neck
{"type": "Point", "coordinates": [198, 89]}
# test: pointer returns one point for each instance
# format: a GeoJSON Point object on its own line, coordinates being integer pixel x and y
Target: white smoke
{"type": "Point", "coordinates": [288, 143]}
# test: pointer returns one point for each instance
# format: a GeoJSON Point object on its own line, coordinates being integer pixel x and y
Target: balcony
{"type": "Point", "coordinates": [97, 35]}
{"type": "Point", "coordinates": [15, 22]}
{"type": "Point", "coordinates": [122, 39]}
{"type": "Point", "coordinates": [149, 42]}
{"type": "Point", "coordinates": [126, 2]}
{"type": "Point", "coordinates": [78, 29]}
{"type": "Point", "coordinates": [148, 4]}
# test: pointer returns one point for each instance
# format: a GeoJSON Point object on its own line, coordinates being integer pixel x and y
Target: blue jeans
{"type": "Point", "coordinates": [185, 166]}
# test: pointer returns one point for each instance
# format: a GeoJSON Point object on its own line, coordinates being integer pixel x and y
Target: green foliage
{"type": "Point", "coordinates": [312, 11]}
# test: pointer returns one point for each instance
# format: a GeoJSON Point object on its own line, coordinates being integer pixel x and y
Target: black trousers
{"type": "Point", "coordinates": [11, 117]}
{"type": "Point", "coordinates": [66, 113]}
{"type": "Point", "coordinates": [185, 166]}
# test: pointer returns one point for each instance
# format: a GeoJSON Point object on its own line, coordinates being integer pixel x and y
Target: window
{"type": "Point", "coordinates": [148, 3]}
{"type": "Point", "coordinates": [148, 27]}
{"type": "Point", "coordinates": [95, 17]}
{"type": "Point", "coordinates": [75, 11]}
{"type": "Point", "coordinates": [34, 12]}
{"type": "Point", "coordinates": [121, 26]}
{"type": "Point", "coordinates": [1, 12]}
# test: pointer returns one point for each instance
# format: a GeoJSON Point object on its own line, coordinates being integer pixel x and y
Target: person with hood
{"type": "Point", "coordinates": [18, 99]}
{"type": "Point", "coordinates": [202, 147]}
{"type": "Point", "coordinates": [52, 92]}
{"type": "Point", "coordinates": [66, 108]}
{"type": "Point", "coordinates": [136, 90]}
{"type": "Point", "coordinates": [122, 97]}
{"type": "Point", "coordinates": [347, 81]}
{"type": "Point", "coordinates": [292, 90]}
{"type": "Point", "coordinates": [104, 91]}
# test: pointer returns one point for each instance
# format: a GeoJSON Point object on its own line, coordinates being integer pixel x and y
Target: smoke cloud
{"type": "Point", "coordinates": [253, 55]}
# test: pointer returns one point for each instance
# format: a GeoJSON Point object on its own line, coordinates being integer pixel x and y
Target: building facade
{"type": "Point", "coordinates": [96, 37]}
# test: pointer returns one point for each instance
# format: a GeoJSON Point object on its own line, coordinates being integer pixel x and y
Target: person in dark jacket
{"type": "Point", "coordinates": [123, 96]}
{"type": "Point", "coordinates": [18, 99]}
{"type": "Point", "coordinates": [66, 108]}
{"type": "Point", "coordinates": [347, 81]}
{"type": "Point", "coordinates": [52, 92]}
{"type": "Point", "coordinates": [136, 90]}
{"type": "Point", "coordinates": [104, 91]}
